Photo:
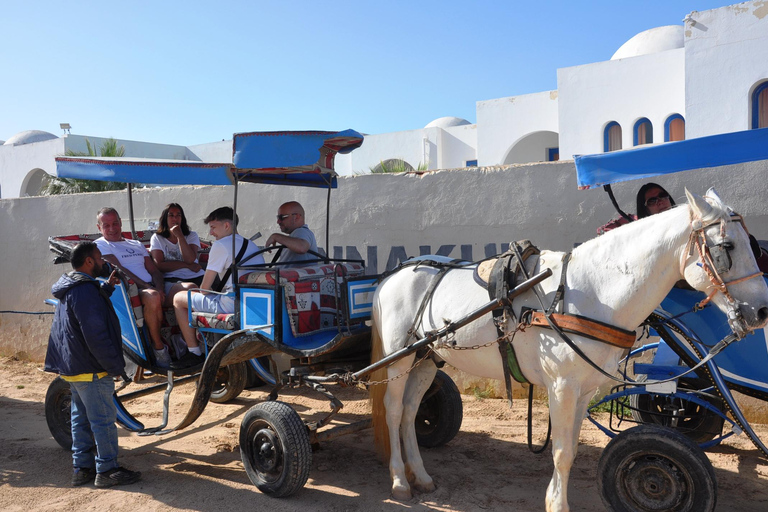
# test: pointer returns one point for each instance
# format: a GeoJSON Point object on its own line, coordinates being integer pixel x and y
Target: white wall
{"type": "Point", "coordinates": [504, 121]}
{"type": "Point", "coordinates": [532, 148]}
{"type": "Point", "coordinates": [17, 161]}
{"type": "Point", "coordinates": [726, 53]}
{"type": "Point", "coordinates": [383, 218]}
{"type": "Point", "coordinates": [132, 147]}
{"type": "Point", "coordinates": [622, 90]}
{"type": "Point", "coordinates": [213, 152]}
{"type": "Point", "coordinates": [457, 145]}
{"type": "Point", "coordinates": [413, 146]}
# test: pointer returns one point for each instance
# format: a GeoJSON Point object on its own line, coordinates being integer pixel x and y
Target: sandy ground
{"type": "Point", "coordinates": [486, 467]}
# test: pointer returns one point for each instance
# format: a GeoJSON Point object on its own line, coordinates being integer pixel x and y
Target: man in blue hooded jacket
{"type": "Point", "coordinates": [85, 350]}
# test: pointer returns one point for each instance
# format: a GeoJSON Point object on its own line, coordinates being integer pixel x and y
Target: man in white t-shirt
{"type": "Point", "coordinates": [134, 260]}
{"type": "Point", "coordinates": [298, 238]}
{"type": "Point", "coordinates": [222, 223]}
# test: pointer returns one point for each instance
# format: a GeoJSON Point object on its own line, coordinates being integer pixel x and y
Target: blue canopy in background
{"type": "Point", "coordinates": [142, 170]}
{"type": "Point", "coordinates": [647, 161]}
{"type": "Point", "coordinates": [304, 159]}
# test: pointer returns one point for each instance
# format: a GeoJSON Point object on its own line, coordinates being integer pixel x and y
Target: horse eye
{"type": "Point", "coordinates": [727, 244]}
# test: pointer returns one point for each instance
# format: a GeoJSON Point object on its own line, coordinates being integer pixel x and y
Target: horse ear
{"type": "Point", "coordinates": [699, 206]}
{"type": "Point", "coordinates": [715, 197]}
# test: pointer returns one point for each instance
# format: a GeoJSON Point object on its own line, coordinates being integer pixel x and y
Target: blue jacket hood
{"type": "Point", "coordinates": [67, 281]}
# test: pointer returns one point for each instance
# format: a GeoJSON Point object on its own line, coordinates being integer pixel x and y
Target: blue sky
{"type": "Point", "coordinates": [193, 72]}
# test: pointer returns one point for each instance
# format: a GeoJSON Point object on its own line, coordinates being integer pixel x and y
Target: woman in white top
{"type": "Point", "coordinates": [174, 249]}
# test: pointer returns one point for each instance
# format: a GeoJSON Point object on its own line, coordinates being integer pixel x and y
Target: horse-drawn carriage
{"type": "Point", "coordinates": [547, 327]}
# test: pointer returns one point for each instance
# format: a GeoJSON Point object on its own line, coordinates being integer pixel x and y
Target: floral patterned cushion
{"type": "Point", "coordinates": [214, 321]}
{"type": "Point", "coordinates": [311, 293]}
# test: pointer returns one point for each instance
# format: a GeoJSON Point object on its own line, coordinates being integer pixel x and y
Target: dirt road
{"type": "Point", "coordinates": [486, 467]}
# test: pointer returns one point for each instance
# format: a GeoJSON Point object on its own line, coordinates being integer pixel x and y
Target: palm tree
{"type": "Point", "coordinates": [397, 165]}
{"type": "Point", "coordinates": [57, 186]}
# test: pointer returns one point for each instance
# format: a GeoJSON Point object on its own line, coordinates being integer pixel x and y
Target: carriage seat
{"type": "Point", "coordinates": [312, 296]}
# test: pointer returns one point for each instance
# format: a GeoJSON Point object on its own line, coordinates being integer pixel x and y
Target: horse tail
{"type": "Point", "coordinates": [376, 396]}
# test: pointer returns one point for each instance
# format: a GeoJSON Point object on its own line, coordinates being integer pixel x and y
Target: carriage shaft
{"type": "Point", "coordinates": [453, 326]}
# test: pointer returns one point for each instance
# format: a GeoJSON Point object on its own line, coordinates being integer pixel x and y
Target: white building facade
{"type": "Point", "coordinates": [704, 77]}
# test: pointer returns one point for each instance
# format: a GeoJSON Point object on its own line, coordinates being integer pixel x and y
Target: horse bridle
{"type": "Point", "coordinates": [714, 260]}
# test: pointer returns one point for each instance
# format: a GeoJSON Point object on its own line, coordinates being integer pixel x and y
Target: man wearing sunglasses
{"type": "Point", "coordinates": [298, 239]}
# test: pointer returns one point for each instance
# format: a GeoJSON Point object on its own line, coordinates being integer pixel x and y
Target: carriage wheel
{"type": "Point", "coordinates": [439, 417]}
{"type": "Point", "coordinates": [261, 376]}
{"type": "Point", "coordinates": [58, 414]}
{"type": "Point", "coordinates": [696, 422]}
{"type": "Point", "coordinates": [275, 449]}
{"type": "Point", "coordinates": [649, 467]}
{"type": "Point", "coordinates": [230, 382]}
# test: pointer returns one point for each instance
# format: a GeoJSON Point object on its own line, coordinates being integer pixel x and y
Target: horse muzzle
{"type": "Point", "coordinates": [746, 318]}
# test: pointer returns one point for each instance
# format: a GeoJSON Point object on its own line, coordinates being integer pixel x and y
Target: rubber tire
{"type": "Point", "coordinates": [699, 424]}
{"type": "Point", "coordinates": [650, 467]}
{"type": "Point", "coordinates": [58, 412]}
{"type": "Point", "coordinates": [275, 428]}
{"type": "Point", "coordinates": [439, 417]}
{"type": "Point", "coordinates": [230, 382]}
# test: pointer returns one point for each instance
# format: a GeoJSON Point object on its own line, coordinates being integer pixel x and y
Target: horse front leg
{"type": "Point", "coordinates": [418, 383]}
{"type": "Point", "coordinates": [393, 404]}
{"type": "Point", "coordinates": [567, 406]}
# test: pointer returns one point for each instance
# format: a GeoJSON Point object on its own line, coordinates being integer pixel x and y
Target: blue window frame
{"type": "Point", "coordinates": [673, 128]}
{"type": "Point", "coordinates": [612, 137]}
{"type": "Point", "coordinates": [643, 132]}
{"type": "Point", "coordinates": [553, 154]}
{"type": "Point", "coordinates": [760, 106]}
{"type": "Point", "coordinates": [471, 163]}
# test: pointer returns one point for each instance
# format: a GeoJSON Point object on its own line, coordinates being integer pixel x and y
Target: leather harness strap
{"type": "Point", "coordinates": [581, 325]}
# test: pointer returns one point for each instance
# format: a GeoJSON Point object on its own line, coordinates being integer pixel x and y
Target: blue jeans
{"type": "Point", "coordinates": [93, 421]}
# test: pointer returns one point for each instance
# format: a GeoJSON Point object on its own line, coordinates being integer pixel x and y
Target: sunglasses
{"type": "Point", "coordinates": [653, 201]}
{"type": "Point", "coordinates": [284, 216]}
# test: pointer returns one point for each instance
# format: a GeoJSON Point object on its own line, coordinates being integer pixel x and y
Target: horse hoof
{"type": "Point", "coordinates": [401, 494]}
{"type": "Point", "coordinates": [428, 487]}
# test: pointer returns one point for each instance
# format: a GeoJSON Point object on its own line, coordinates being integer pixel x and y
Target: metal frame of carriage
{"type": "Point", "coordinates": [655, 461]}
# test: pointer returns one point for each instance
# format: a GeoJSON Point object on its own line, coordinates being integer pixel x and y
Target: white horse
{"type": "Point", "coordinates": [617, 279]}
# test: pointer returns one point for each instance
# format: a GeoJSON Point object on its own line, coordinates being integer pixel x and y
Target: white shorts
{"type": "Point", "coordinates": [212, 303]}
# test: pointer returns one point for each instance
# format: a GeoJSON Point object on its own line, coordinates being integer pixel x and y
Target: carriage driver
{"type": "Point", "coordinates": [298, 239]}
{"type": "Point", "coordinates": [134, 260]}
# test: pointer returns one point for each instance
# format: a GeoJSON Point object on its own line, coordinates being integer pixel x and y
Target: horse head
{"type": "Point", "coordinates": [718, 260]}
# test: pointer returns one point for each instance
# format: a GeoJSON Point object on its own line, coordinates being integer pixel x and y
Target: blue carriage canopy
{"type": "Point", "coordinates": [647, 161]}
{"type": "Point", "coordinates": [285, 158]}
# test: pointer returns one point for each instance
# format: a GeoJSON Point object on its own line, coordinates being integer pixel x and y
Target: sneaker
{"type": "Point", "coordinates": [117, 476]}
{"type": "Point", "coordinates": [162, 358]}
{"type": "Point", "coordinates": [81, 476]}
{"type": "Point", "coordinates": [187, 361]}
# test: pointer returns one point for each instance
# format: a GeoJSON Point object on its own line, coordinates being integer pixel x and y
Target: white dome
{"type": "Point", "coordinates": [29, 137]}
{"type": "Point", "coordinates": [655, 40]}
{"type": "Point", "coordinates": [447, 122]}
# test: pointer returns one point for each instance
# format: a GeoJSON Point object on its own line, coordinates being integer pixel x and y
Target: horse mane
{"type": "Point", "coordinates": [641, 229]}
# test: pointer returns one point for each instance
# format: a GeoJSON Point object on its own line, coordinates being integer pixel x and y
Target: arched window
{"type": "Point", "coordinates": [674, 128]}
{"type": "Point", "coordinates": [643, 133]}
{"type": "Point", "coordinates": [612, 137]}
{"type": "Point", "coordinates": [760, 106]}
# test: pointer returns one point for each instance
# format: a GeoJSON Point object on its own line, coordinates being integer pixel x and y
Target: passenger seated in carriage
{"type": "Point", "coordinates": [298, 238]}
{"type": "Point", "coordinates": [222, 223]}
{"type": "Point", "coordinates": [174, 249]}
{"type": "Point", "coordinates": [651, 199]}
{"type": "Point", "coordinates": [134, 260]}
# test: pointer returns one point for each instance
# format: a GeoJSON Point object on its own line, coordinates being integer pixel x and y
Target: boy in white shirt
{"type": "Point", "coordinates": [222, 224]}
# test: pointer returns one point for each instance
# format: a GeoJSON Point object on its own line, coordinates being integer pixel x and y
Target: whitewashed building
{"type": "Point", "coordinates": [706, 76]}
